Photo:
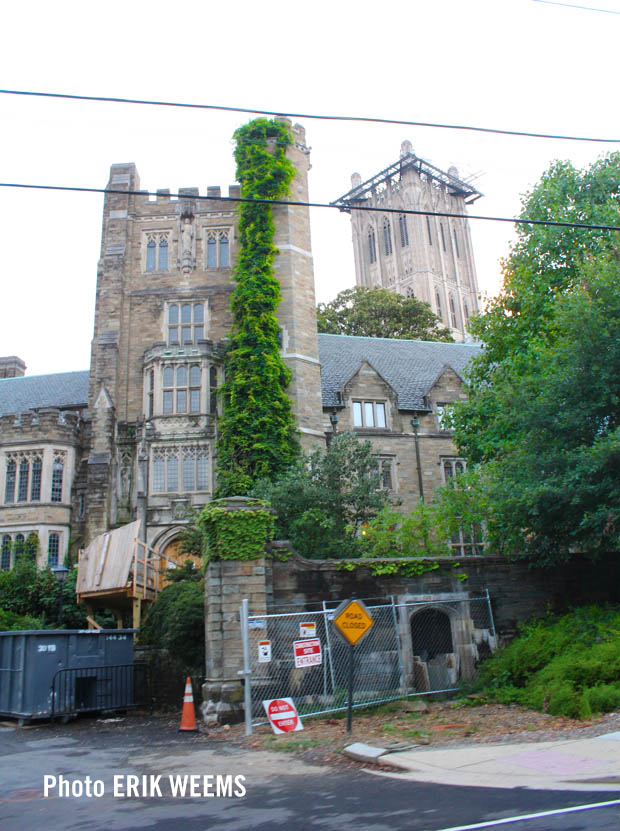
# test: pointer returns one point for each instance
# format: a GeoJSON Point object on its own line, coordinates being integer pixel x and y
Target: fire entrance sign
{"type": "Point", "coordinates": [307, 653]}
{"type": "Point", "coordinates": [282, 715]}
{"type": "Point", "coordinates": [353, 622]}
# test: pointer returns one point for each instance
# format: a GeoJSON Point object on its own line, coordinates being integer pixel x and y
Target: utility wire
{"type": "Point", "coordinates": [107, 99]}
{"type": "Point", "coordinates": [573, 6]}
{"type": "Point", "coordinates": [234, 199]}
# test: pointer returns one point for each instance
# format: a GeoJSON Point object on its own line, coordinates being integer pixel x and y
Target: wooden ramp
{"type": "Point", "coordinates": [118, 571]}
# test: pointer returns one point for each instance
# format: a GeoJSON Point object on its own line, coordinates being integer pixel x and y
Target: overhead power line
{"type": "Point", "coordinates": [574, 6]}
{"type": "Point", "coordinates": [365, 119]}
{"type": "Point", "coordinates": [446, 214]}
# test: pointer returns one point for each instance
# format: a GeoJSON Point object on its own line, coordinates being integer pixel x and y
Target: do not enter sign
{"type": "Point", "coordinates": [282, 715]}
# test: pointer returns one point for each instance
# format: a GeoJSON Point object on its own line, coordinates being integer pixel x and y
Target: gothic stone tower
{"type": "Point", "coordinates": [428, 257]}
{"type": "Point", "coordinates": [162, 317]}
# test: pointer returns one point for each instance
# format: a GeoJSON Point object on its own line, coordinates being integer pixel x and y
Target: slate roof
{"type": "Point", "coordinates": [411, 367]}
{"type": "Point", "coordinates": [36, 392]}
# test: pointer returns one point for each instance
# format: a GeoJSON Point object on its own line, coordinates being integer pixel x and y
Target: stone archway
{"type": "Point", "coordinates": [435, 664]}
{"type": "Point", "coordinates": [431, 633]}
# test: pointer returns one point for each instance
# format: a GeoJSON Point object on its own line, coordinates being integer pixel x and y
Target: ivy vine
{"type": "Point", "coordinates": [236, 534]}
{"type": "Point", "coordinates": [257, 436]}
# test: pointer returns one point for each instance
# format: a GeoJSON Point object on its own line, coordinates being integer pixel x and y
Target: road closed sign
{"type": "Point", "coordinates": [282, 715]}
{"type": "Point", "coordinates": [353, 621]}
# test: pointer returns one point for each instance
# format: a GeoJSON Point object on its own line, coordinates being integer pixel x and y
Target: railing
{"type": "Point", "coordinates": [89, 689]}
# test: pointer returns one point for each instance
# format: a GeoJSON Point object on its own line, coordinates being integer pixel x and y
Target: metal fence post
{"type": "Point", "coordinates": [399, 649]}
{"type": "Point", "coordinates": [329, 644]}
{"type": "Point", "coordinates": [486, 591]}
{"type": "Point", "coordinates": [246, 672]}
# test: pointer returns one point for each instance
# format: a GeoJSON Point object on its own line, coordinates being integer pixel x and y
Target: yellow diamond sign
{"type": "Point", "coordinates": [352, 619]}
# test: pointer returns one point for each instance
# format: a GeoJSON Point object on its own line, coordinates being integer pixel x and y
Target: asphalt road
{"type": "Point", "coordinates": [281, 792]}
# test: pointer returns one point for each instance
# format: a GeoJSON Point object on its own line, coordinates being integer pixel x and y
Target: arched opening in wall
{"type": "Point", "coordinates": [431, 634]}
{"type": "Point", "coordinates": [434, 664]}
{"type": "Point", "coordinates": [172, 555]}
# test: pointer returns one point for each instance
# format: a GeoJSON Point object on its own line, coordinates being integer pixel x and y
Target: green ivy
{"type": "Point", "coordinates": [236, 534]}
{"type": "Point", "coordinates": [257, 432]}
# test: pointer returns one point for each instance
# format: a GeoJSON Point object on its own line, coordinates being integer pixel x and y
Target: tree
{"type": "Point", "coordinates": [542, 421]}
{"type": "Point", "coordinates": [379, 313]}
{"type": "Point", "coordinates": [322, 502]}
{"type": "Point", "coordinates": [546, 263]}
{"type": "Point", "coordinates": [257, 433]}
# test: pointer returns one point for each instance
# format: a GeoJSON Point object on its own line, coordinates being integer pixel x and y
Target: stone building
{"type": "Point", "coordinates": [417, 255]}
{"type": "Point", "coordinates": [134, 438]}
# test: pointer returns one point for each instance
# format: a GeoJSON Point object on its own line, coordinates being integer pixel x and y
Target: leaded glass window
{"type": "Point", "coordinates": [35, 483]}
{"type": "Point", "coordinates": [57, 470]}
{"type": "Point", "coordinates": [22, 487]}
{"type": "Point", "coordinates": [5, 553]}
{"type": "Point", "coordinates": [9, 488]}
{"type": "Point", "coordinates": [53, 549]}
{"type": "Point", "coordinates": [404, 232]}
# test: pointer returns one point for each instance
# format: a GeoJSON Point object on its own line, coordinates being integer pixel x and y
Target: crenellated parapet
{"type": "Point", "coordinates": [42, 425]}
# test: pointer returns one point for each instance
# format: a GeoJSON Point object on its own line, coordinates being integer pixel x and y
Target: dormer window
{"type": "Point", "coordinates": [369, 414]}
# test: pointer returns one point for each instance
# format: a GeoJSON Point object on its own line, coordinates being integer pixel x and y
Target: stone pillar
{"type": "Point", "coordinates": [227, 583]}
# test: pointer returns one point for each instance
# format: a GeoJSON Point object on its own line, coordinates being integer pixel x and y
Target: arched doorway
{"type": "Point", "coordinates": [431, 634]}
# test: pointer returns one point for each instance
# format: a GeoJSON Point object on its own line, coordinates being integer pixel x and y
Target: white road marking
{"type": "Point", "coordinates": [495, 822]}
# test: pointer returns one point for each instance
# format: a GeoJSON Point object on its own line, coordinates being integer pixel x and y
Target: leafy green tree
{"type": "Point", "coordinates": [33, 593]}
{"type": "Point", "coordinates": [322, 502]}
{"type": "Point", "coordinates": [545, 263]}
{"type": "Point", "coordinates": [380, 313]}
{"type": "Point", "coordinates": [542, 420]}
{"type": "Point", "coordinates": [257, 433]}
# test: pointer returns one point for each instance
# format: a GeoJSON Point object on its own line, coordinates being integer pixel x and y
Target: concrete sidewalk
{"type": "Point", "coordinates": [575, 765]}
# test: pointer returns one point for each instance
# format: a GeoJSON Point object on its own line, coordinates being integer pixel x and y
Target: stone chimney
{"type": "Point", "coordinates": [12, 367]}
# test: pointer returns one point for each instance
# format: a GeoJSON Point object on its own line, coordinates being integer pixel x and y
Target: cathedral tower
{"type": "Point", "coordinates": [418, 255]}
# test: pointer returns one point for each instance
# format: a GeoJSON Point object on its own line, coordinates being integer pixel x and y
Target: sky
{"type": "Point", "coordinates": [510, 64]}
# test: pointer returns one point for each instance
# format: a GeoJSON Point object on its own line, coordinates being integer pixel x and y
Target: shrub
{"type": "Point", "coordinates": [568, 665]}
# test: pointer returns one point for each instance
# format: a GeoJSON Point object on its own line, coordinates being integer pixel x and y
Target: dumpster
{"type": "Point", "coordinates": [45, 673]}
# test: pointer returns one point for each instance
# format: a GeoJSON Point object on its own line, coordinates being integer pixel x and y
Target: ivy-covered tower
{"type": "Point", "coordinates": [162, 323]}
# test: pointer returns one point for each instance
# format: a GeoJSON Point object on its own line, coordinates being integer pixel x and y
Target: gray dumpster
{"type": "Point", "coordinates": [50, 672]}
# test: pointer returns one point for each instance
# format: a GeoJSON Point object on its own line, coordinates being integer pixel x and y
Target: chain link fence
{"type": "Point", "coordinates": [413, 648]}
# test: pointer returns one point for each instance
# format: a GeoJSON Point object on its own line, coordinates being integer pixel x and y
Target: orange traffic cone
{"type": "Point", "coordinates": [188, 717]}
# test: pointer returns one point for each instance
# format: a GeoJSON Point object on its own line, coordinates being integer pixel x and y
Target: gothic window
{"type": "Point", "coordinates": [151, 392]}
{"type": "Point", "coordinates": [386, 468]}
{"type": "Point", "coordinates": [180, 469]}
{"type": "Point", "coordinates": [35, 483]}
{"type": "Point", "coordinates": [5, 553]}
{"type": "Point", "coordinates": [428, 230]}
{"type": "Point", "coordinates": [212, 390]}
{"type": "Point", "coordinates": [387, 237]}
{"type": "Point", "coordinates": [185, 323]}
{"type": "Point", "coordinates": [9, 488]}
{"type": "Point", "coordinates": [369, 414]}
{"type": "Point", "coordinates": [53, 548]}
{"type": "Point", "coordinates": [453, 312]}
{"type": "Point", "coordinates": [452, 467]}
{"type": "Point", "coordinates": [57, 471]}
{"type": "Point", "coordinates": [372, 246]}
{"type": "Point", "coordinates": [404, 233]}
{"type": "Point", "coordinates": [438, 301]}
{"type": "Point", "coordinates": [456, 244]}
{"type": "Point", "coordinates": [218, 248]}
{"type": "Point", "coordinates": [22, 486]}
{"type": "Point", "coordinates": [443, 416]}
{"type": "Point", "coordinates": [156, 252]}
{"type": "Point", "coordinates": [466, 310]}
{"type": "Point", "coordinates": [443, 236]}
{"type": "Point", "coordinates": [181, 389]}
